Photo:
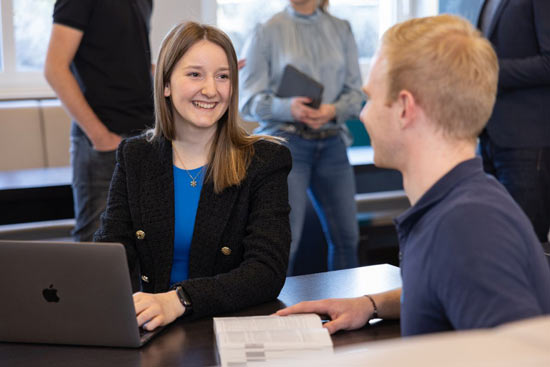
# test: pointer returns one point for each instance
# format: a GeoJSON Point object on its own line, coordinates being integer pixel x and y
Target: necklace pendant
{"type": "Point", "coordinates": [193, 183]}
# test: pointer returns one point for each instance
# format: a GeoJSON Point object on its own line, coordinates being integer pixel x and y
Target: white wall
{"type": "Point", "coordinates": [167, 13]}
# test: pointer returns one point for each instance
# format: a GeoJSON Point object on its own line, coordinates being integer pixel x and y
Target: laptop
{"type": "Point", "coordinates": [67, 293]}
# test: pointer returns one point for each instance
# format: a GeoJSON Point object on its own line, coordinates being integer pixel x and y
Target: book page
{"type": "Point", "coordinates": [257, 340]}
{"type": "Point", "coordinates": [248, 323]}
{"type": "Point", "coordinates": [276, 339]}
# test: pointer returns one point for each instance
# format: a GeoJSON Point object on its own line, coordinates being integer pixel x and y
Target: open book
{"type": "Point", "coordinates": [259, 340]}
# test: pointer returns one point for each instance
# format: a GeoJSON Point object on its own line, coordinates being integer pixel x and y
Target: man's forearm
{"type": "Point", "coordinates": [64, 84]}
{"type": "Point", "coordinates": [388, 303]}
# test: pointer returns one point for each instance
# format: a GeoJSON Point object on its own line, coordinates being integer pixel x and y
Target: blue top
{"type": "Point", "coordinates": [469, 257]}
{"type": "Point", "coordinates": [186, 203]}
{"type": "Point", "coordinates": [321, 46]}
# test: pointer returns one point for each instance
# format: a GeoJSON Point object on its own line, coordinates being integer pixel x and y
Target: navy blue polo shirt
{"type": "Point", "coordinates": [469, 257]}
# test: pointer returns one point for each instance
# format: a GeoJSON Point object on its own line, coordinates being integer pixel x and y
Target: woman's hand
{"type": "Point", "coordinates": [321, 116]}
{"type": "Point", "coordinates": [314, 118]}
{"type": "Point", "coordinates": [299, 110]}
{"type": "Point", "coordinates": [154, 310]}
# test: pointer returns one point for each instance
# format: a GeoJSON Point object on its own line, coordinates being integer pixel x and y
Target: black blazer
{"type": "Point", "coordinates": [520, 34]}
{"type": "Point", "coordinates": [249, 222]}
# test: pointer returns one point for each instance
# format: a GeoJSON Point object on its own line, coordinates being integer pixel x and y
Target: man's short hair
{"type": "Point", "coordinates": [451, 70]}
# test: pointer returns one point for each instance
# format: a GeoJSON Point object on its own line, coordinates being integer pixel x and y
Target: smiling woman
{"type": "Point", "coordinates": [200, 89]}
{"type": "Point", "coordinates": [201, 206]}
{"type": "Point", "coordinates": [203, 63]}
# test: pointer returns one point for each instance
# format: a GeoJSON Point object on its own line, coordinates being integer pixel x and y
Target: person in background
{"type": "Point", "coordinates": [469, 255]}
{"type": "Point", "coordinates": [515, 145]}
{"type": "Point", "coordinates": [99, 65]}
{"type": "Point", "coordinates": [200, 206]}
{"type": "Point", "coordinates": [306, 36]}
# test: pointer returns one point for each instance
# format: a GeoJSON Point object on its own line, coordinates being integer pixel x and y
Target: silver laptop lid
{"type": "Point", "coordinates": [66, 293]}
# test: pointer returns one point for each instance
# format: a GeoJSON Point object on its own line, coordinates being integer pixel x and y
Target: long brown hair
{"type": "Point", "coordinates": [232, 148]}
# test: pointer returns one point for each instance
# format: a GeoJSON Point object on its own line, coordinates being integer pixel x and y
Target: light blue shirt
{"type": "Point", "coordinates": [321, 46]}
{"type": "Point", "coordinates": [186, 203]}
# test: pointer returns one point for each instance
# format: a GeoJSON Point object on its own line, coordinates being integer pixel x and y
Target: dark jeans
{"type": "Point", "coordinates": [321, 170]}
{"type": "Point", "coordinates": [525, 172]}
{"type": "Point", "coordinates": [92, 172]}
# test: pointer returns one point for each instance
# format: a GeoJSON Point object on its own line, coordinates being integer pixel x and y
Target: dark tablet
{"type": "Point", "coordinates": [295, 83]}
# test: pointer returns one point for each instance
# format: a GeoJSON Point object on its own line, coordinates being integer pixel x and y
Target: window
{"type": "Point", "coordinates": [239, 17]}
{"type": "Point", "coordinates": [468, 9]}
{"type": "Point", "coordinates": [26, 26]}
{"type": "Point", "coordinates": [368, 19]}
{"type": "Point", "coordinates": [363, 16]}
{"type": "Point", "coordinates": [1, 48]}
{"type": "Point", "coordinates": [32, 26]}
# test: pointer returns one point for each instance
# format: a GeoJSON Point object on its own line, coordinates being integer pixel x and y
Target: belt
{"type": "Point", "coordinates": [308, 133]}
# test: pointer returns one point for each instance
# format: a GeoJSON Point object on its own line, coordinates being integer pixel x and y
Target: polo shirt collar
{"type": "Point", "coordinates": [437, 192]}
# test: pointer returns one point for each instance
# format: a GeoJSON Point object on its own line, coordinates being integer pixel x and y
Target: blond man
{"type": "Point", "coordinates": [470, 258]}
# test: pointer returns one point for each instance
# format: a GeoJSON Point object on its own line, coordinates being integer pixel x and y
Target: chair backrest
{"type": "Point", "coordinates": [36, 132]}
{"type": "Point", "coordinates": [21, 136]}
{"type": "Point", "coordinates": [56, 230]}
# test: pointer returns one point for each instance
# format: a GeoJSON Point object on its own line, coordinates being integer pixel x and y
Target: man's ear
{"type": "Point", "coordinates": [167, 91]}
{"type": "Point", "coordinates": [408, 108]}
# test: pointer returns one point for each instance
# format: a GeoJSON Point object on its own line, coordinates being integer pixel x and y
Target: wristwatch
{"type": "Point", "coordinates": [184, 299]}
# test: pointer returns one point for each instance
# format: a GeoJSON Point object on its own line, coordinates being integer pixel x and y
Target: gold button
{"type": "Point", "coordinates": [226, 251]}
{"type": "Point", "coordinates": [145, 278]}
{"type": "Point", "coordinates": [140, 234]}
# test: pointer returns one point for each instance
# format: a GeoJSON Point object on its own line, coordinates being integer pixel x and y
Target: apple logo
{"type": "Point", "coordinates": [50, 294]}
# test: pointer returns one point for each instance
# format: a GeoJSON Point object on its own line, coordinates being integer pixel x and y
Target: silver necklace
{"type": "Point", "coordinates": [193, 182]}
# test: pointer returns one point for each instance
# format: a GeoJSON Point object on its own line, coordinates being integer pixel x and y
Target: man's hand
{"type": "Point", "coordinates": [107, 142]}
{"type": "Point", "coordinates": [154, 310]}
{"type": "Point", "coordinates": [345, 313]}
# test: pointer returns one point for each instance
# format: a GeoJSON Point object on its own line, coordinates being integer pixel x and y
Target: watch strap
{"type": "Point", "coordinates": [184, 299]}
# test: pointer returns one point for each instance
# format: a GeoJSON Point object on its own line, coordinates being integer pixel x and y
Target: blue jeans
{"type": "Point", "coordinates": [92, 172]}
{"type": "Point", "coordinates": [525, 172]}
{"type": "Point", "coordinates": [321, 169]}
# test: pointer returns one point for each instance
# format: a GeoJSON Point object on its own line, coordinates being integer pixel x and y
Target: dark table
{"type": "Point", "coordinates": [192, 343]}
{"type": "Point", "coordinates": [34, 195]}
